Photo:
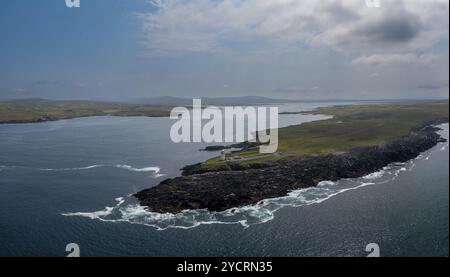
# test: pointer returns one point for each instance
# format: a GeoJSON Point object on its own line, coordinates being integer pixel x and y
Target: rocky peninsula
{"type": "Point", "coordinates": [219, 189]}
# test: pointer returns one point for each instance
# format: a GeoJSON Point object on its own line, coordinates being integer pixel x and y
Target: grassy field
{"type": "Point", "coordinates": [351, 126]}
{"type": "Point", "coordinates": [37, 110]}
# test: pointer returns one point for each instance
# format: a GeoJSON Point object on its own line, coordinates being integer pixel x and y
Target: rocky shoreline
{"type": "Point", "coordinates": [236, 186]}
{"type": "Point", "coordinates": [242, 146]}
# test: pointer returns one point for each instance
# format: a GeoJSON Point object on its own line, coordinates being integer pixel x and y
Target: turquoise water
{"type": "Point", "coordinates": [69, 181]}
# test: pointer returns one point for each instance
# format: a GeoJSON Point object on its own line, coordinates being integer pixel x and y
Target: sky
{"type": "Point", "coordinates": [292, 49]}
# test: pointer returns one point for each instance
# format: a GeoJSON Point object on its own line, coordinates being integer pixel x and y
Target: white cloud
{"type": "Point", "coordinates": [209, 26]}
{"type": "Point", "coordinates": [290, 46]}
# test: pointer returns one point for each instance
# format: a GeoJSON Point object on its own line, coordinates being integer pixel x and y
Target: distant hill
{"type": "Point", "coordinates": [219, 101]}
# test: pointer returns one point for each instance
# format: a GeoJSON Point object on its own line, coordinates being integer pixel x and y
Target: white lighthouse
{"type": "Point", "coordinates": [223, 157]}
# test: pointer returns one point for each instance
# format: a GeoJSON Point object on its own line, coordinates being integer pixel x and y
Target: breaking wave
{"type": "Point", "coordinates": [153, 169]}
{"type": "Point", "coordinates": [97, 215]}
{"type": "Point", "coordinates": [128, 210]}
{"type": "Point", "coordinates": [72, 168]}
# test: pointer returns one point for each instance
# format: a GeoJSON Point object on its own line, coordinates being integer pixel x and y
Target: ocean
{"type": "Point", "coordinates": [71, 181]}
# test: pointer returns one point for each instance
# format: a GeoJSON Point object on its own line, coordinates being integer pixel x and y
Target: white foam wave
{"type": "Point", "coordinates": [72, 168]}
{"type": "Point", "coordinates": [262, 212]}
{"type": "Point", "coordinates": [120, 201]}
{"type": "Point", "coordinates": [154, 169]}
{"type": "Point", "coordinates": [245, 216]}
{"type": "Point", "coordinates": [374, 175]}
{"type": "Point", "coordinates": [98, 214]}
{"type": "Point", "coordinates": [93, 215]}
{"type": "Point", "coordinates": [326, 183]}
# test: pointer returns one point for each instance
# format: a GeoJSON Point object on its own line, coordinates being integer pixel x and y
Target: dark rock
{"type": "Point", "coordinates": [233, 187]}
{"type": "Point", "coordinates": [243, 146]}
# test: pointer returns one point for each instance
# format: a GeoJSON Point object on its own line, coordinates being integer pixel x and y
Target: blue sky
{"type": "Point", "coordinates": [113, 49]}
{"type": "Point", "coordinates": [51, 50]}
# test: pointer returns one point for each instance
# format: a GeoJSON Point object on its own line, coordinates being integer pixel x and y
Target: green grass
{"type": "Point", "coordinates": [360, 125]}
{"type": "Point", "coordinates": [36, 110]}
{"type": "Point", "coordinates": [351, 126]}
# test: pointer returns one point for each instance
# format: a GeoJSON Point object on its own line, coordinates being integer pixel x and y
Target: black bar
{"type": "Point", "coordinates": [152, 266]}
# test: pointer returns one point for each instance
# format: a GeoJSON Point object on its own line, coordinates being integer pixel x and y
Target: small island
{"type": "Point", "coordinates": [357, 141]}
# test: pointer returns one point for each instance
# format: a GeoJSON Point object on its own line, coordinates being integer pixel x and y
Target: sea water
{"type": "Point", "coordinates": [71, 181]}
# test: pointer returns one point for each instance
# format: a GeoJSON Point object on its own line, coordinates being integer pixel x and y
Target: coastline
{"type": "Point", "coordinates": [24, 111]}
{"type": "Point", "coordinates": [43, 120]}
{"type": "Point", "coordinates": [217, 190]}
